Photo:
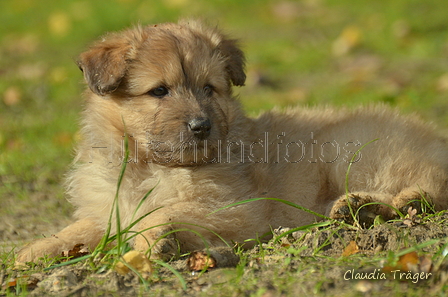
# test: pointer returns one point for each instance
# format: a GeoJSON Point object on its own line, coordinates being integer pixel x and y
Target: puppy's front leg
{"type": "Point", "coordinates": [190, 218]}
{"type": "Point", "coordinates": [155, 237]}
{"type": "Point", "coordinates": [84, 231]}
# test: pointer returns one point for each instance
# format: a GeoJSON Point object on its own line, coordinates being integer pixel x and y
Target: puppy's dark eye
{"type": "Point", "coordinates": [159, 92]}
{"type": "Point", "coordinates": [208, 90]}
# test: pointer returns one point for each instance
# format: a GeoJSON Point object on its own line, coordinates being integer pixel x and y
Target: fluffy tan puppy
{"type": "Point", "coordinates": [169, 88]}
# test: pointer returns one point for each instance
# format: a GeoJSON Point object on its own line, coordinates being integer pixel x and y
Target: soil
{"type": "Point", "coordinates": [324, 261]}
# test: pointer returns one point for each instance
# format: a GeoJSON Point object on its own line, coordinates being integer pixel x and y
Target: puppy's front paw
{"type": "Point", "coordinates": [164, 247]}
{"type": "Point", "coordinates": [51, 246]}
{"type": "Point", "coordinates": [361, 213]}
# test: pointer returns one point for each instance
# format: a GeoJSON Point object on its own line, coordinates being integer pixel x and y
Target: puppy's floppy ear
{"type": "Point", "coordinates": [235, 61]}
{"type": "Point", "coordinates": [104, 65]}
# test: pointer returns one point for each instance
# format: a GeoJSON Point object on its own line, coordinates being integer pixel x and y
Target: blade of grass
{"type": "Point", "coordinates": [305, 227]}
{"type": "Point", "coordinates": [346, 179]}
{"type": "Point", "coordinates": [417, 247]}
{"type": "Point", "coordinates": [274, 199]}
{"type": "Point", "coordinates": [426, 203]}
{"type": "Point", "coordinates": [69, 262]}
{"type": "Point", "coordinates": [116, 201]}
{"type": "Point", "coordinates": [381, 203]}
{"type": "Point", "coordinates": [141, 203]}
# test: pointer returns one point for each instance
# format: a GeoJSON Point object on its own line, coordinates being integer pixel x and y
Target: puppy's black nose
{"type": "Point", "coordinates": [200, 127]}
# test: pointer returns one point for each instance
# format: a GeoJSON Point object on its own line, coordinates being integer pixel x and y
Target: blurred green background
{"type": "Point", "coordinates": [344, 52]}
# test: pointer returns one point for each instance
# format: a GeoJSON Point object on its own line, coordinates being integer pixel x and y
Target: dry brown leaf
{"type": "Point", "coordinates": [12, 283]}
{"type": "Point", "coordinates": [29, 282]}
{"type": "Point", "coordinates": [411, 262]}
{"type": "Point", "coordinates": [200, 260]}
{"type": "Point", "coordinates": [210, 258]}
{"type": "Point", "coordinates": [351, 249]}
{"type": "Point", "coordinates": [76, 252]}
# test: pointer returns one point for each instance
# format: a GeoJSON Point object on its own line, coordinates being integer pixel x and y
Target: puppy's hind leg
{"type": "Point", "coordinates": [413, 197]}
{"type": "Point", "coordinates": [361, 207]}
{"type": "Point", "coordinates": [84, 231]}
{"type": "Point", "coordinates": [365, 213]}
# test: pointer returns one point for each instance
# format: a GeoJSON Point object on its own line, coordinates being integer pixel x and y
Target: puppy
{"type": "Point", "coordinates": [167, 89]}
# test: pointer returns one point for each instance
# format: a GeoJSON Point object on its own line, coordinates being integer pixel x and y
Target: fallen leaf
{"type": "Point", "coordinates": [12, 283]}
{"type": "Point", "coordinates": [25, 280]}
{"type": "Point", "coordinates": [351, 249]}
{"type": "Point", "coordinates": [76, 252]}
{"type": "Point", "coordinates": [136, 260]}
{"type": "Point", "coordinates": [211, 258]}
{"type": "Point", "coordinates": [410, 262]}
{"type": "Point", "coordinates": [200, 260]}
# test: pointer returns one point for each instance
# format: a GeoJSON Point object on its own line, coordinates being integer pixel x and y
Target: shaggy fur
{"type": "Point", "coordinates": [169, 87]}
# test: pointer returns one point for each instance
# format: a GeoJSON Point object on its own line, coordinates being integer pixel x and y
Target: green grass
{"type": "Point", "coordinates": [397, 56]}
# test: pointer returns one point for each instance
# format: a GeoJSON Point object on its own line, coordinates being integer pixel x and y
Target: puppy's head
{"type": "Point", "coordinates": [169, 85]}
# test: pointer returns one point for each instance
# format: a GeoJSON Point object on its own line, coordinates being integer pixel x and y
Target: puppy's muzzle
{"type": "Point", "coordinates": [200, 127]}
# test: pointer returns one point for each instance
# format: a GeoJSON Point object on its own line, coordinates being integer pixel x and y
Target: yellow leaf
{"type": "Point", "coordinates": [135, 259]}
